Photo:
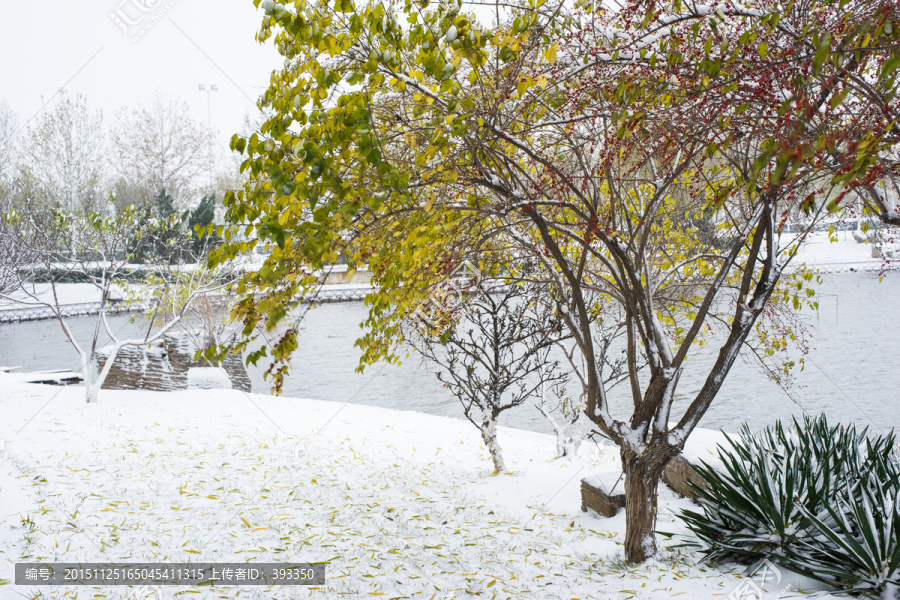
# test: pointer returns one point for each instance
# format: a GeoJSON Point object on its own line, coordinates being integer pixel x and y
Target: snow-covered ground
{"type": "Point", "coordinates": [401, 504]}
{"type": "Point", "coordinates": [820, 253]}
{"type": "Point", "coordinates": [68, 293]}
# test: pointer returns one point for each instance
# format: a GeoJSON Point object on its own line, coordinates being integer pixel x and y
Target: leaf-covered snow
{"type": "Point", "coordinates": [398, 504]}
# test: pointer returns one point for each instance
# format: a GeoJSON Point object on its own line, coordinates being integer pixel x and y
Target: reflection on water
{"type": "Point", "coordinates": [850, 372]}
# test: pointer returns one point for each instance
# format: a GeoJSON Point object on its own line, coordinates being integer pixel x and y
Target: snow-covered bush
{"type": "Point", "coordinates": [820, 500]}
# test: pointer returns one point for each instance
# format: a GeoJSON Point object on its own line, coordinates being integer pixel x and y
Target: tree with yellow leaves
{"type": "Point", "coordinates": [639, 163]}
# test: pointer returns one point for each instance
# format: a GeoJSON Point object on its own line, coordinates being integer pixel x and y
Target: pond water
{"type": "Point", "coordinates": [851, 371]}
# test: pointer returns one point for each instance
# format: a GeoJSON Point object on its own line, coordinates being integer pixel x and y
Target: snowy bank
{"type": "Point", "coordinates": [839, 256]}
{"type": "Point", "coordinates": [400, 504]}
{"type": "Point", "coordinates": [66, 293]}
{"type": "Point", "coordinates": [82, 299]}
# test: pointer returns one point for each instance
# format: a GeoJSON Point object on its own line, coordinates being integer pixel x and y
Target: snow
{"type": "Point", "coordinates": [208, 378]}
{"type": "Point", "coordinates": [820, 253]}
{"type": "Point", "coordinates": [56, 377]}
{"type": "Point", "coordinates": [68, 293]}
{"type": "Point", "coordinates": [78, 298]}
{"type": "Point", "coordinates": [348, 287]}
{"type": "Point", "coordinates": [400, 503]}
{"type": "Point", "coordinates": [702, 446]}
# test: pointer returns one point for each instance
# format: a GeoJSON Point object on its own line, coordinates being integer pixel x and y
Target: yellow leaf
{"type": "Point", "coordinates": [551, 53]}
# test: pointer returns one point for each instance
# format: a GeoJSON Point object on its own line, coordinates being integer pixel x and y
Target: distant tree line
{"type": "Point", "coordinates": [154, 157]}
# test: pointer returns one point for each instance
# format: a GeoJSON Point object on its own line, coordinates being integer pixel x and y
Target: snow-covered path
{"type": "Point", "coordinates": [401, 504]}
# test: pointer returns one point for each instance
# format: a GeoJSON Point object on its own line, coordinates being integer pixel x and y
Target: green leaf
{"type": "Point", "coordinates": [822, 53]}
{"type": "Point", "coordinates": [889, 66]}
{"type": "Point", "coordinates": [345, 6]}
{"type": "Point", "coordinates": [760, 163]}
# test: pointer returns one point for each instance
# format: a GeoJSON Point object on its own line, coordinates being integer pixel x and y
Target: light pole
{"type": "Point", "coordinates": [212, 88]}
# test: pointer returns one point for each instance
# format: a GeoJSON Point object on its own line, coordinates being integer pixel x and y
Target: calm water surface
{"type": "Point", "coordinates": [851, 371]}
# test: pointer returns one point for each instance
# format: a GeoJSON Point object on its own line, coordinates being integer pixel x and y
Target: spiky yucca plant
{"type": "Point", "coordinates": [820, 500]}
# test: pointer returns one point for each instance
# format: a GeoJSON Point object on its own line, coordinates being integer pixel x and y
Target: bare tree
{"type": "Point", "coordinates": [495, 359]}
{"type": "Point", "coordinates": [88, 246]}
{"type": "Point", "coordinates": [565, 414]}
{"type": "Point", "coordinates": [9, 127]}
{"type": "Point", "coordinates": [64, 156]}
{"type": "Point", "coordinates": [125, 193]}
{"type": "Point", "coordinates": [158, 145]}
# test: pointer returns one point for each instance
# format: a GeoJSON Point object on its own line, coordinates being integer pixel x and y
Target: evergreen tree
{"type": "Point", "coordinates": [169, 228]}
{"type": "Point", "coordinates": [165, 206]}
{"type": "Point", "coordinates": [200, 217]}
{"type": "Point", "coordinates": [140, 247]}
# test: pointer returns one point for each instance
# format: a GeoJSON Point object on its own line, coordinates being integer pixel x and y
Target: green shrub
{"type": "Point", "coordinates": [819, 500]}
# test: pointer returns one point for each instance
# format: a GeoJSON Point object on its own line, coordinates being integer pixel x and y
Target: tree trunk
{"type": "Point", "coordinates": [489, 437]}
{"type": "Point", "coordinates": [559, 431]}
{"type": "Point", "coordinates": [90, 391]}
{"type": "Point", "coordinates": [573, 442]}
{"type": "Point", "coordinates": [641, 483]}
{"type": "Point", "coordinates": [101, 378]}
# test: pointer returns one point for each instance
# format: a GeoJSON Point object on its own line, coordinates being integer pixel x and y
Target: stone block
{"type": "Point", "coordinates": [594, 496]}
{"type": "Point", "coordinates": [163, 366]}
{"type": "Point", "coordinates": [678, 473]}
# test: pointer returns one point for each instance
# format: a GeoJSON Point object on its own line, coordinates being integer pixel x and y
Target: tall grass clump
{"type": "Point", "coordinates": [821, 500]}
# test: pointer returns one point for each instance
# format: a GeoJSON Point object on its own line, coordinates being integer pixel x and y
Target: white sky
{"type": "Point", "coordinates": [75, 44]}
